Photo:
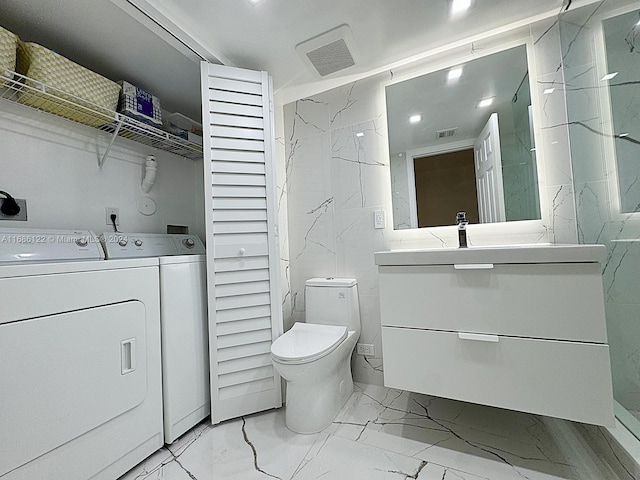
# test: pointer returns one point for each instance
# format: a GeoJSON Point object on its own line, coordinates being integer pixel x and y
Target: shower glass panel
{"type": "Point", "coordinates": [601, 69]}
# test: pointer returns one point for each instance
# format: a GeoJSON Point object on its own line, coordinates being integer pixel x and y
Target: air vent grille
{"type": "Point", "coordinates": [330, 52]}
{"type": "Point", "coordinates": [331, 57]}
{"type": "Point", "coordinates": [448, 132]}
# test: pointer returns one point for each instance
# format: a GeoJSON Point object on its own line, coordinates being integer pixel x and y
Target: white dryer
{"type": "Point", "coordinates": [80, 371]}
{"type": "Point", "coordinates": [183, 316]}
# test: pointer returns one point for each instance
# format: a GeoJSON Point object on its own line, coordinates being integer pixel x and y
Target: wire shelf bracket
{"type": "Point", "coordinates": [113, 139]}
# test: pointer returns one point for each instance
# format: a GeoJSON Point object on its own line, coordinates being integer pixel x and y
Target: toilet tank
{"type": "Point", "coordinates": [333, 301]}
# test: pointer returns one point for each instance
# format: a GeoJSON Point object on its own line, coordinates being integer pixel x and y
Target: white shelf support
{"type": "Point", "coordinates": [113, 139]}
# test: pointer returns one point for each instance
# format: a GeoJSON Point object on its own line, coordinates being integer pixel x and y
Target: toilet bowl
{"type": "Point", "coordinates": [314, 357]}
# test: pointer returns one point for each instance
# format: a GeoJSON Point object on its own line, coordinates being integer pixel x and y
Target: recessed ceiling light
{"type": "Point", "coordinates": [548, 91]}
{"type": "Point", "coordinates": [454, 74]}
{"type": "Point", "coordinates": [609, 76]}
{"type": "Point", "coordinates": [255, 1]}
{"type": "Point", "coordinates": [485, 102]}
{"type": "Point", "coordinates": [360, 134]}
{"type": "Point", "coordinates": [415, 118]}
{"type": "Point", "coordinates": [460, 6]}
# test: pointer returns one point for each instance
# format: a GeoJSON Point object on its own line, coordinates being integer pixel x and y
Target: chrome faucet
{"type": "Point", "coordinates": [461, 221]}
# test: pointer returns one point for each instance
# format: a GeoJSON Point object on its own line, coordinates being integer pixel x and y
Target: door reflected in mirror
{"type": "Point", "coordinates": [461, 139]}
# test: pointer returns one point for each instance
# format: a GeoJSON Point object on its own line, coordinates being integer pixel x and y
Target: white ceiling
{"type": "Point", "coordinates": [117, 40]}
{"type": "Point", "coordinates": [264, 36]}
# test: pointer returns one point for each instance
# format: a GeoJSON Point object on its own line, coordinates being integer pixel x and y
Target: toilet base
{"type": "Point", "coordinates": [317, 391]}
{"type": "Point", "coordinates": [312, 408]}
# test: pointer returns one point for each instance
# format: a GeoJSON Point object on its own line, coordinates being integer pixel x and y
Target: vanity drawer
{"type": "Point", "coordinates": [545, 377]}
{"type": "Point", "coordinates": [560, 301]}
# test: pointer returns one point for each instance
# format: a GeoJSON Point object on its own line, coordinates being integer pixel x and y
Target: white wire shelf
{"type": "Point", "coordinates": [39, 96]}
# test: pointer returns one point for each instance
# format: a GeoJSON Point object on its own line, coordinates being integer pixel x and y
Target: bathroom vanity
{"type": "Point", "coordinates": [516, 327]}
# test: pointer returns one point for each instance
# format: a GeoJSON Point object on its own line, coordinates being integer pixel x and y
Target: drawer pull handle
{"type": "Point", "coordinates": [478, 337]}
{"type": "Point", "coordinates": [473, 266]}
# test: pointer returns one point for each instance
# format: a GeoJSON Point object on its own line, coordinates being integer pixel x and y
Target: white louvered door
{"type": "Point", "coordinates": [245, 315]}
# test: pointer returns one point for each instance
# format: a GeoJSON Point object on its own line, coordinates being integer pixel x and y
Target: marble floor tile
{"type": "Point", "coordinates": [150, 467]}
{"type": "Point", "coordinates": [383, 433]}
{"type": "Point", "coordinates": [339, 457]}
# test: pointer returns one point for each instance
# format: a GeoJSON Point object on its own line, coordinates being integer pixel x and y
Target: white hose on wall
{"type": "Point", "coordinates": [150, 170]}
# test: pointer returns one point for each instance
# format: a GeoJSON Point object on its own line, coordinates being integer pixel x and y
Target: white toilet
{"type": "Point", "coordinates": [315, 357]}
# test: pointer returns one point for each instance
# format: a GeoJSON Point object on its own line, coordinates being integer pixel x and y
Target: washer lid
{"type": "Point", "coordinates": [307, 341]}
{"type": "Point", "coordinates": [331, 282]}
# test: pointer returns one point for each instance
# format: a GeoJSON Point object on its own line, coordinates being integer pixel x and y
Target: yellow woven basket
{"type": "Point", "coordinates": [88, 91]}
{"type": "Point", "coordinates": [8, 45]}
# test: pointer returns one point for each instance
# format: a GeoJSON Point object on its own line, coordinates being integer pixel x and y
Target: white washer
{"type": "Point", "coordinates": [183, 315]}
{"type": "Point", "coordinates": [80, 370]}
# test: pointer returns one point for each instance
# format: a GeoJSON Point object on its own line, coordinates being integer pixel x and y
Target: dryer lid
{"type": "Point", "coordinates": [307, 341]}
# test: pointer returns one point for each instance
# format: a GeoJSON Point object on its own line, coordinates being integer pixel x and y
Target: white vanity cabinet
{"type": "Point", "coordinates": [523, 330]}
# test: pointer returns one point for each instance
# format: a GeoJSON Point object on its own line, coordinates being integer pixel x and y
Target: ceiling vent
{"type": "Point", "coordinates": [330, 52]}
{"type": "Point", "coordinates": [448, 132]}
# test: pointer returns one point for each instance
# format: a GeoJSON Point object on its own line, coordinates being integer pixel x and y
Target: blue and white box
{"type": "Point", "coordinates": [138, 104]}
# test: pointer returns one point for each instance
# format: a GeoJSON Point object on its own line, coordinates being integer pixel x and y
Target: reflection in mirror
{"type": "Point", "coordinates": [462, 139]}
{"type": "Point", "coordinates": [622, 43]}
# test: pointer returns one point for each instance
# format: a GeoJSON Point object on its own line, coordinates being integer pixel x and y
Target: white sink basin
{"type": "Point", "coordinates": [532, 253]}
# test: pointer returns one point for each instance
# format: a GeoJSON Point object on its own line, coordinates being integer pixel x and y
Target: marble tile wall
{"type": "Point", "coordinates": [336, 179]}
{"type": "Point", "coordinates": [604, 174]}
{"type": "Point", "coordinates": [283, 233]}
{"type": "Point", "coordinates": [400, 195]}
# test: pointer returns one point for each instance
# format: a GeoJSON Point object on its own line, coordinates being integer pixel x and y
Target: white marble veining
{"type": "Point", "coordinates": [356, 155]}
{"type": "Point", "coordinates": [383, 433]}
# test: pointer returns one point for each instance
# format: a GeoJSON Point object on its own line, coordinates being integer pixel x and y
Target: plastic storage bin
{"type": "Point", "coordinates": [183, 127]}
{"type": "Point", "coordinates": [68, 81]}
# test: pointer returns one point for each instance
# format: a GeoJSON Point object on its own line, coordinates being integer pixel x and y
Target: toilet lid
{"type": "Point", "coordinates": [307, 341]}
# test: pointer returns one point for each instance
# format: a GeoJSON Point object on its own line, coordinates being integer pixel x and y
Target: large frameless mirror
{"type": "Point", "coordinates": [461, 139]}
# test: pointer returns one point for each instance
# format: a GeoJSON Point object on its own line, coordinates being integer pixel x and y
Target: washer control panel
{"type": "Point", "coordinates": [139, 245]}
{"type": "Point", "coordinates": [26, 245]}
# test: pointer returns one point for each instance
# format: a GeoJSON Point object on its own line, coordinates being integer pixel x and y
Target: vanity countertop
{"type": "Point", "coordinates": [529, 253]}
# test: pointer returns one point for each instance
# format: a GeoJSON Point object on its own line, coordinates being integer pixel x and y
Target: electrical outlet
{"type": "Point", "coordinates": [378, 219]}
{"type": "Point", "coordinates": [21, 216]}
{"type": "Point", "coordinates": [365, 349]}
{"type": "Point", "coordinates": [112, 211]}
